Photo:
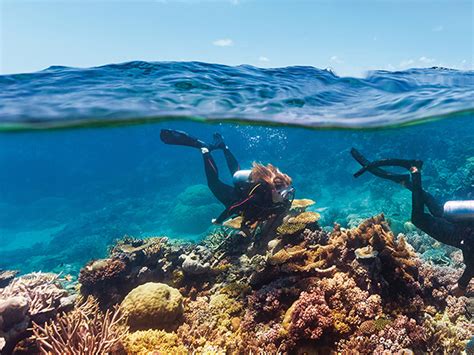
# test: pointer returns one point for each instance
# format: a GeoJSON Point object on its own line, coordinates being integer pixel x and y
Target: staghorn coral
{"type": "Point", "coordinates": [41, 291]}
{"type": "Point", "coordinates": [152, 306]}
{"type": "Point", "coordinates": [37, 297]}
{"type": "Point", "coordinates": [85, 330]}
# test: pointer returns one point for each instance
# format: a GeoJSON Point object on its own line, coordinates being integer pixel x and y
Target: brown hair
{"type": "Point", "coordinates": [269, 174]}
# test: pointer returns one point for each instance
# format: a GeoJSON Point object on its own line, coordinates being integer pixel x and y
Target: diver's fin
{"type": "Point", "coordinates": [174, 137]}
{"type": "Point", "coordinates": [218, 142]}
{"type": "Point", "coordinates": [360, 171]}
{"type": "Point", "coordinates": [361, 160]}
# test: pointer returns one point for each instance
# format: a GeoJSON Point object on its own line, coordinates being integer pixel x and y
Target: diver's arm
{"type": "Point", "coordinates": [234, 209]}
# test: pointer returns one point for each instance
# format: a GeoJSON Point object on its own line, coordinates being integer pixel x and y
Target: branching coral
{"type": "Point", "coordinates": [41, 291]}
{"type": "Point", "coordinates": [85, 330]}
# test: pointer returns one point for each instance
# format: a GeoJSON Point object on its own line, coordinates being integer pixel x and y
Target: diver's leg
{"type": "Point", "coordinates": [230, 159]}
{"type": "Point", "coordinates": [223, 192]}
{"type": "Point", "coordinates": [232, 162]}
{"type": "Point", "coordinates": [435, 208]}
{"type": "Point", "coordinates": [436, 227]}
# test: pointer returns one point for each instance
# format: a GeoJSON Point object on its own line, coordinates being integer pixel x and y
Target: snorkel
{"type": "Point", "coordinates": [459, 211]}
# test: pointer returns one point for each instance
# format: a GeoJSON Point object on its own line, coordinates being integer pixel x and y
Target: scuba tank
{"type": "Point", "coordinates": [459, 210]}
{"type": "Point", "coordinates": [241, 178]}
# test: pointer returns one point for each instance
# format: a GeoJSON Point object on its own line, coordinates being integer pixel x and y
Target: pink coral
{"type": "Point", "coordinates": [403, 333]}
{"type": "Point", "coordinates": [310, 316]}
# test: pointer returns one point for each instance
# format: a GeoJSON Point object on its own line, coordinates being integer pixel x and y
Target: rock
{"type": "Point", "coordinates": [14, 320]}
{"type": "Point", "coordinates": [194, 266]}
{"type": "Point", "coordinates": [6, 276]}
{"type": "Point", "coordinates": [153, 306]}
{"type": "Point", "coordinates": [67, 303]}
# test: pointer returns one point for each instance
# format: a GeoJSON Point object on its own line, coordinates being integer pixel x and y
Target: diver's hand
{"type": "Point", "coordinates": [457, 291]}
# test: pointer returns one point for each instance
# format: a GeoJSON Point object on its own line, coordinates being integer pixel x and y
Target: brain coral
{"type": "Point", "coordinates": [153, 306]}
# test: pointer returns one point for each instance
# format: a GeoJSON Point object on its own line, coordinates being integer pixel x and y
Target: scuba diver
{"type": "Point", "coordinates": [257, 194]}
{"type": "Point", "coordinates": [451, 224]}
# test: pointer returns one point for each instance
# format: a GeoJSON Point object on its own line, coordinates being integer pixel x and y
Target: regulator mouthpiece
{"type": "Point", "coordinates": [459, 210]}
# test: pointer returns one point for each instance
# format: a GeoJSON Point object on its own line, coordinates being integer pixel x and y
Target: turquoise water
{"type": "Point", "coordinates": [66, 195]}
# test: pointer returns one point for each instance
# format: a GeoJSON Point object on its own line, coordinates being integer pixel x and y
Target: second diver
{"type": "Point", "coordinates": [451, 224]}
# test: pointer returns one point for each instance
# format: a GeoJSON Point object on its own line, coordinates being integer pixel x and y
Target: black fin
{"type": "Point", "coordinates": [218, 142]}
{"type": "Point", "coordinates": [174, 137]}
{"type": "Point", "coordinates": [361, 160]}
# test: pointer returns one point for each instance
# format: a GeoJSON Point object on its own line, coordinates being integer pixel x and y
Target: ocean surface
{"type": "Point", "coordinates": [82, 164]}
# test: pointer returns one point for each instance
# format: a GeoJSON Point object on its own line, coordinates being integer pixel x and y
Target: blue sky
{"type": "Point", "coordinates": [350, 37]}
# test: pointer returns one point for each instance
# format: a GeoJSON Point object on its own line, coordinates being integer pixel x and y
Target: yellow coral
{"type": "Point", "coordinates": [291, 228]}
{"type": "Point", "coordinates": [305, 217]}
{"type": "Point", "coordinates": [298, 223]}
{"type": "Point", "coordinates": [145, 342]}
{"type": "Point", "coordinates": [152, 305]}
{"type": "Point", "coordinates": [302, 204]}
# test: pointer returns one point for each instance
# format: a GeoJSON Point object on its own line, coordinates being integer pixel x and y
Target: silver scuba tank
{"type": "Point", "coordinates": [459, 210]}
{"type": "Point", "coordinates": [241, 178]}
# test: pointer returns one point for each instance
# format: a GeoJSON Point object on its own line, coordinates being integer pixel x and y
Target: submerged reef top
{"type": "Point", "coordinates": [284, 290]}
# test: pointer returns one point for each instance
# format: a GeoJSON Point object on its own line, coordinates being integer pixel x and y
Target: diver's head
{"type": "Point", "coordinates": [459, 211]}
{"type": "Point", "coordinates": [279, 183]}
{"type": "Point", "coordinates": [271, 175]}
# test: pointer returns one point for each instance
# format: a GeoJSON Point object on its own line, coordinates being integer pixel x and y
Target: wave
{"type": "Point", "coordinates": [138, 92]}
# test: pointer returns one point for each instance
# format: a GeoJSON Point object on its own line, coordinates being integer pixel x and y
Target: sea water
{"type": "Point", "coordinates": [82, 164]}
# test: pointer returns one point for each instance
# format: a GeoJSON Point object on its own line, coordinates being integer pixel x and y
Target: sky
{"type": "Point", "coordinates": [348, 36]}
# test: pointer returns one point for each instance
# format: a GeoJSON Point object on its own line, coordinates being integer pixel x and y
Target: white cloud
{"type": "Point", "coordinates": [335, 59]}
{"type": "Point", "coordinates": [426, 60]}
{"type": "Point", "coordinates": [406, 63]}
{"type": "Point", "coordinates": [224, 42]}
{"type": "Point", "coordinates": [437, 28]}
{"type": "Point", "coordinates": [263, 59]}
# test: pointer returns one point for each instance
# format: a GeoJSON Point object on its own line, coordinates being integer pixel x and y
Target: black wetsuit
{"type": "Point", "coordinates": [458, 235]}
{"type": "Point", "coordinates": [253, 203]}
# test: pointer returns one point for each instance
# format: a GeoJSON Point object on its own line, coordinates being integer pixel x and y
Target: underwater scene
{"type": "Point", "coordinates": [185, 207]}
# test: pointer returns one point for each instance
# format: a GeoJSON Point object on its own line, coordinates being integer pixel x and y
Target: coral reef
{"type": "Point", "coordinates": [282, 290]}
